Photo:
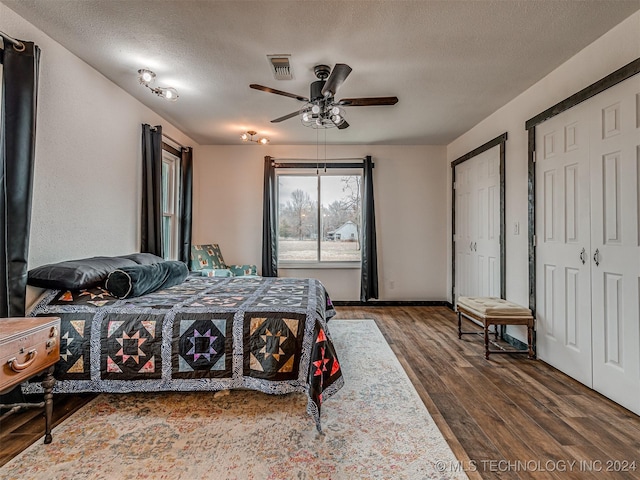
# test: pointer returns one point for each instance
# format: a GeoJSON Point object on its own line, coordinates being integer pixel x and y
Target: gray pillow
{"type": "Point", "coordinates": [143, 258]}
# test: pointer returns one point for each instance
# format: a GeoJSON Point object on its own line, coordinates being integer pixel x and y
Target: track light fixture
{"type": "Point", "coordinates": [248, 137]}
{"type": "Point", "coordinates": [146, 77]}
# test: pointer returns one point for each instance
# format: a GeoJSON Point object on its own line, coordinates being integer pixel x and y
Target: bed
{"type": "Point", "coordinates": [203, 334]}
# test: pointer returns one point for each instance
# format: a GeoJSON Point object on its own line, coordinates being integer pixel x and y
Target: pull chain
{"type": "Point", "coordinates": [325, 150]}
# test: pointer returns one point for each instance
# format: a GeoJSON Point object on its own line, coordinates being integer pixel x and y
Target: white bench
{"type": "Point", "coordinates": [495, 311]}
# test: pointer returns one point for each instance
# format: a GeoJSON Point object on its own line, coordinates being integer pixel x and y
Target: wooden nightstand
{"type": "Point", "coordinates": [29, 347]}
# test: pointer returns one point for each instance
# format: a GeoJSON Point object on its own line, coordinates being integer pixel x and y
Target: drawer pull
{"type": "Point", "coordinates": [18, 367]}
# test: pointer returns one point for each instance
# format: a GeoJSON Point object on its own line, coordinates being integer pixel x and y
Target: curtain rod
{"type": "Point", "coordinates": [324, 165]}
{"type": "Point", "coordinates": [168, 137]}
{"type": "Point", "coordinates": [18, 45]}
{"type": "Point", "coordinates": [173, 140]}
{"type": "Point", "coordinates": [313, 160]}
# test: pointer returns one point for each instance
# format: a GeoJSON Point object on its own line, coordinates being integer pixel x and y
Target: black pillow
{"type": "Point", "coordinates": [130, 282]}
{"type": "Point", "coordinates": [143, 258]}
{"type": "Point", "coordinates": [76, 274]}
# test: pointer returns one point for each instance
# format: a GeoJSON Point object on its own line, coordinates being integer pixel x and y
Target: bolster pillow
{"type": "Point", "coordinates": [129, 282]}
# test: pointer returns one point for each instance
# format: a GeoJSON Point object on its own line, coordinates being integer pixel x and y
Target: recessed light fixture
{"type": "Point", "coordinates": [248, 137]}
{"type": "Point", "coordinates": [146, 77]}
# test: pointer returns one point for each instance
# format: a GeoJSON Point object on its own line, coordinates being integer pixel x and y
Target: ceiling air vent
{"type": "Point", "coordinates": [280, 66]}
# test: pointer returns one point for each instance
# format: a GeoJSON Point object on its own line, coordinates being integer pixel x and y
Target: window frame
{"type": "Point", "coordinates": [170, 250]}
{"type": "Point", "coordinates": [318, 263]}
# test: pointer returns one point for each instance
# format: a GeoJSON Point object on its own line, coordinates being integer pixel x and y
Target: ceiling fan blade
{"type": "Point", "coordinates": [285, 117]}
{"type": "Point", "coordinates": [278, 92]}
{"type": "Point", "coordinates": [366, 102]}
{"type": "Point", "coordinates": [342, 125]}
{"type": "Point", "coordinates": [338, 75]}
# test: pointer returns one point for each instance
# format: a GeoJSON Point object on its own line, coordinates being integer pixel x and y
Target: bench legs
{"type": "Point", "coordinates": [488, 322]}
{"type": "Point", "coordinates": [532, 354]}
{"type": "Point", "coordinates": [486, 340]}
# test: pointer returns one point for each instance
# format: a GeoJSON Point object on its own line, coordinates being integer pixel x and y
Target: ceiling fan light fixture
{"type": "Point", "coordinates": [322, 115]}
{"type": "Point", "coordinates": [321, 109]}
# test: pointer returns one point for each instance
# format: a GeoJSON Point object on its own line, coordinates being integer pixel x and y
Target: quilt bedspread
{"type": "Point", "coordinates": [208, 333]}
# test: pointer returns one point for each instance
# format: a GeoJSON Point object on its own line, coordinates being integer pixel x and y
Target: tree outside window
{"type": "Point", "coordinates": [319, 218]}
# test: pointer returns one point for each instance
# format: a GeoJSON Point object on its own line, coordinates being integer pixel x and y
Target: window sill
{"type": "Point", "coordinates": [319, 266]}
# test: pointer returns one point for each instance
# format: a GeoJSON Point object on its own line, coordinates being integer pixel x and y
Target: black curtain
{"type": "Point", "coordinates": [369, 271]}
{"type": "Point", "coordinates": [269, 230]}
{"type": "Point", "coordinates": [186, 189]}
{"type": "Point", "coordinates": [17, 153]}
{"type": "Point", "coordinates": [151, 229]}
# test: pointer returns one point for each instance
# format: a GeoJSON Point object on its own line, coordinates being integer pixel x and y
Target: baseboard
{"type": "Point", "coordinates": [514, 342]}
{"type": "Point", "coordinates": [393, 303]}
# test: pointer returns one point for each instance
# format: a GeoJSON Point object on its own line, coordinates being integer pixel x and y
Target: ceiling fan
{"type": "Point", "coordinates": [321, 109]}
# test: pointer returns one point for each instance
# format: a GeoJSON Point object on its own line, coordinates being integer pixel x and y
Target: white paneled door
{"type": "Point", "coordinates": [464, 244]}
{"type": "Point", "coordinates": [478, 225]}
{"type": "Point", "coordinates": [615, 237]}
{"type": "Point", "coordinates": [563, 306]}
{"type": "Point", "coordinates": [588, 242]}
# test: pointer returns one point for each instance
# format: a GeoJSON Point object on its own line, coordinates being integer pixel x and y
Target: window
{"type": "Point", "coordinates": [319, 218]}
{"type": "Point", "coordinates": [170, 204]}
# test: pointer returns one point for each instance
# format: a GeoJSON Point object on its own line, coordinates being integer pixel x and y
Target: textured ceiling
{"type": "Point", "coordinates": [450, 63]}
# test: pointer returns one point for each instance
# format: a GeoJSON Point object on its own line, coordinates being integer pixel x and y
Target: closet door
{"type": "Point", "coordinates": [563, 303]}
{"type": "Point", "coordinates": [486, 206]}
{"type": "Point", "coordinates": [478, 225]}
{"type": "Point", "coordinates": [464, 244]}
{"type": "Point", "coordinates": [615, 234]}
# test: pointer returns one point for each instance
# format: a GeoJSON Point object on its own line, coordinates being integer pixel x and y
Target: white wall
{"type": "Point", "coordinates": [86, 191]}
{"type": "Point", "coordinates": [613, 50]}
{"type": "Point", "coordinates": [87, 174]}
{"type": "Point", "coordinates": [409, 188]}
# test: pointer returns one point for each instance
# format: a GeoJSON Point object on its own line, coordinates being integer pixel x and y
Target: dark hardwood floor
{"type": "Point", "coordinates": [505, 418]}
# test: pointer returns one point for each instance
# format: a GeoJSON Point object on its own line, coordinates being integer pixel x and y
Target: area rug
{"type": "Point", "coordinates": [375, 427]}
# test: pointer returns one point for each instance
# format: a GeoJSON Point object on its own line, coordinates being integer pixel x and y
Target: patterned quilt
{"type": "Point", "coordinates": [208, 333]}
